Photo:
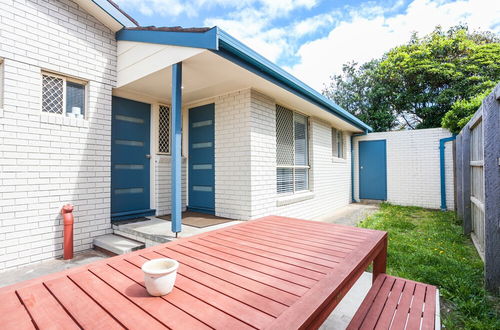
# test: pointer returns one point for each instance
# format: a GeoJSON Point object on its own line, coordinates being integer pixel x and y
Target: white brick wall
{"type": "Point", "coordinates": [232, 155]}
{"type": "Point", "coordinates": [47, 160]}
{"type": "Point", "coordinates": [413, 176]}
{"type": "Point", "coordinates": [162, 179]}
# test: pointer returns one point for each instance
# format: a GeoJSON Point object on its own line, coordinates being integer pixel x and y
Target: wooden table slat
{"type": "Point", "coordinates": [289, 267]}
{"type": "Point", "coordinates": [363, 308]}
{"type": "Point", "coordinates": [248, 297]}
{"type": "Point", "coordinates": [268, 254]}
{"type": "Point", "coordinates": [126, 312]}
{"type": "Point", "coordinates": [223, 302]}
{"type": "Point", "coordinates": [44, 309]}
{"type": "Point", "coordinates": [13, 315]}
{"type": "Point", "coordinates": [298, 248]}
{"type": "Point", "coordinates": [250, 273]}
{"type": "Point", "coordinates": [321, 228]}
{"type": "Point", "coordinates": [313, 236]}
{"type": "Point", "coordinates": [415, 316]}
{"type": "Point", "coordinates": [262, 289]}
{"type": "Point", "coordinates": [294, 238]}
{"type": "Point", "coordinates": [188, 302]}
{"type": "Point", "coordinates": [80, 306]}
{"type": "Point", "coordinates": [389, 309]}
{"type": "Point", "coordinates": [265, 269]}
{"type": "Point", "coordinates": [278, 251]}
{"type": "Point", "coordinates": [378, 304]}
{"type": "Point", "coordinates": [429, 318]}
{"type": "Point", "coordinates": [154, 306]}
{"type": "Point", "coordinates": [401, 315]}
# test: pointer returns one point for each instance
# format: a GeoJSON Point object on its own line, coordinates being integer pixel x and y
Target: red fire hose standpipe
{"type": "Point", "coordinates": [67, 213]}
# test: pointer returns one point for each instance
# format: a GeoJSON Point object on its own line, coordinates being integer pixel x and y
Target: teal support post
{"type": "Point", "coordinates": [176, 117]}
{"type": "Point", "coordinates": [442, 147]}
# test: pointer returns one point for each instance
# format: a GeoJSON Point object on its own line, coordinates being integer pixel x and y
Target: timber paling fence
{"type": "Point", "coordinates": [478, 184]}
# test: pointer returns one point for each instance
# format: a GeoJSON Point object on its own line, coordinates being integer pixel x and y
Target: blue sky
{"type": "Point", "coordinates": [313, 38]}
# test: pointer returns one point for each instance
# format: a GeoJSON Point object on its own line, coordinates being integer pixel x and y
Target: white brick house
{"type": "Point", "coordinates": [88, 108]}
{"type": "Point", "coordinates": [67, 79]}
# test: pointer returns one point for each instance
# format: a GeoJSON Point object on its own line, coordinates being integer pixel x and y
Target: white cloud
{"type": "Point", "coordinates": [272, 8]}
{"type": "Point", "coordinates": [370, 31]}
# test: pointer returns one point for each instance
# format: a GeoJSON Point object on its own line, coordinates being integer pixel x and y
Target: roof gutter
{"type": "Point", "coordinates": [265, 68]}
{"type": "Point", "coordinates": [233, 50]}
{"type": "Point", "coordinates": [117, 14]}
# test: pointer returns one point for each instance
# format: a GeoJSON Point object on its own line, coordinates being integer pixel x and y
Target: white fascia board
{"type": "Point", "coordinates": [138, 59]}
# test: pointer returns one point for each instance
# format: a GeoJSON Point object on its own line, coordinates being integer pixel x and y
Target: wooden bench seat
{"type": "Point", "coordinates": [396, 303]}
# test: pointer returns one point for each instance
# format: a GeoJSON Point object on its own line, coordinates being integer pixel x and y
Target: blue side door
{"type": "Point", "coordinates": [373, 170]}
{"type": "Point", "coordinates": [201, 159]}
{"type": "Point", "coordinates": [130, 157]}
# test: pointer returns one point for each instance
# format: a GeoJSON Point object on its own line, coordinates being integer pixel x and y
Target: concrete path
{"type": "Point", "coordinates": [48, 267]}
{"type": "Point", "coordinates": [342, 314]}
{"type": "Point", "coordinates": [350, 215]}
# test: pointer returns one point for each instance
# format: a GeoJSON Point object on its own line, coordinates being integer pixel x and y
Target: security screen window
{"type": "Point", "coordinates": [63, 96]}
{"type": "Point", "coordinates": [292, 151]}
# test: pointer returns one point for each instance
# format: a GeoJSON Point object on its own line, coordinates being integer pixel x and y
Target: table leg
{"type": "Point", "coordinates": [380, 261]}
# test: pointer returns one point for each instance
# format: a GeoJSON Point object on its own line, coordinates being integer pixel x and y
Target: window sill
{"type": "Point", "coordinates": [63, 120]}
{"type": "Point", "coordinates": [295, 198]}
{"type": "Point", "coordinates": [338, 160]}
{"type": "Point", "coordinates": [166, 158]}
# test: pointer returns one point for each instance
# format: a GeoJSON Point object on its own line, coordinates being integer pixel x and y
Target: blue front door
{"type": "Point", "coordinates": [201, 159]}
{"type": "Point", "coordinates": [130, 154]}
{"type": "Point", "coordinates": [372, 170]}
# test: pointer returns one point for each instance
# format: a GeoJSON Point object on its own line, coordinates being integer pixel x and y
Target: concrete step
{"type": "Point", "coordinates": [117, 244]}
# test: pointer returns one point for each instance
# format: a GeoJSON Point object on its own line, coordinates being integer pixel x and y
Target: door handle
{"type": "Point", "coordinates": [361, 167]}
{"type": "Point", "coordinates": [148, 156]}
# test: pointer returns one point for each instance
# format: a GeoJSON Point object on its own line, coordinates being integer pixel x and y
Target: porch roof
{"type": "Point", "coordinates": [224, 45]}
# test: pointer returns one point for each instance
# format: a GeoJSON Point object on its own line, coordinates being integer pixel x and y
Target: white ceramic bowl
{"type": "Point", "coordinates": [159, 275]}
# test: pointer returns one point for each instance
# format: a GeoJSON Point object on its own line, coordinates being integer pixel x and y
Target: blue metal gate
{"type": "Point", "coordinates": [130, 148]}
{"type": "Point", "coordinates": [373, 170]}
{"type": "Point", "coordinates": [201, 159]}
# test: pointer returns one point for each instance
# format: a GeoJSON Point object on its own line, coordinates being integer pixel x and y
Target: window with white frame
{"type": "Point", "coordinates": [291, 151]}
{"type": "Point", "coordinates": [63, 96]}
{"type": "Point", "coordinates": [164, 130]}
{"type": "Point", "coordinates": [337, 143]}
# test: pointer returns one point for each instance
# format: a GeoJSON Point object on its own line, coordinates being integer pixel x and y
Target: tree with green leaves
{"type": "Point", "coordinates": [432, 81]}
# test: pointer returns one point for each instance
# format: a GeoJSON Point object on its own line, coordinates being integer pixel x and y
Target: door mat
{"type": "Point", "coordinates": [198, 220]}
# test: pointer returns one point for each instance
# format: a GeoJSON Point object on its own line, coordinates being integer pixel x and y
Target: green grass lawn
{"type": "Point", "coordinates": [428, 246]}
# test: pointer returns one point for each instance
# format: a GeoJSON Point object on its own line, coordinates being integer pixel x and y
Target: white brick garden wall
{"type": "Point", "coordinates": [49, 160]}
{"type": "Point", "coordinates": [413, 172]}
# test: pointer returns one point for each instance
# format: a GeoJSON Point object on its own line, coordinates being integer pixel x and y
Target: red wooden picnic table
{"type": "Point", "coordinates": [270, 273]}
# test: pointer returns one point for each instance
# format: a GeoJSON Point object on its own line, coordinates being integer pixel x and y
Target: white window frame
{"type": "Point", "coordinates": [169, 131]}
{"type": "Point", "coordinates": [293, 167]}
{"type": "Point", "coordinates": [338, 136]}
{"type": "Point", "coordinates": [65, 80]}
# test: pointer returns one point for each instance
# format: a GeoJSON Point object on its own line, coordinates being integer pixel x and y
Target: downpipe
{"type": "Point", "coordinates": [68, 220]}
{"type": "Point", "coordinates": [442, 169]}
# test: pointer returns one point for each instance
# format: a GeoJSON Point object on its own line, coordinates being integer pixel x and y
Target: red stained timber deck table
{"type": "Point", "coordinates": [270, 273]}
